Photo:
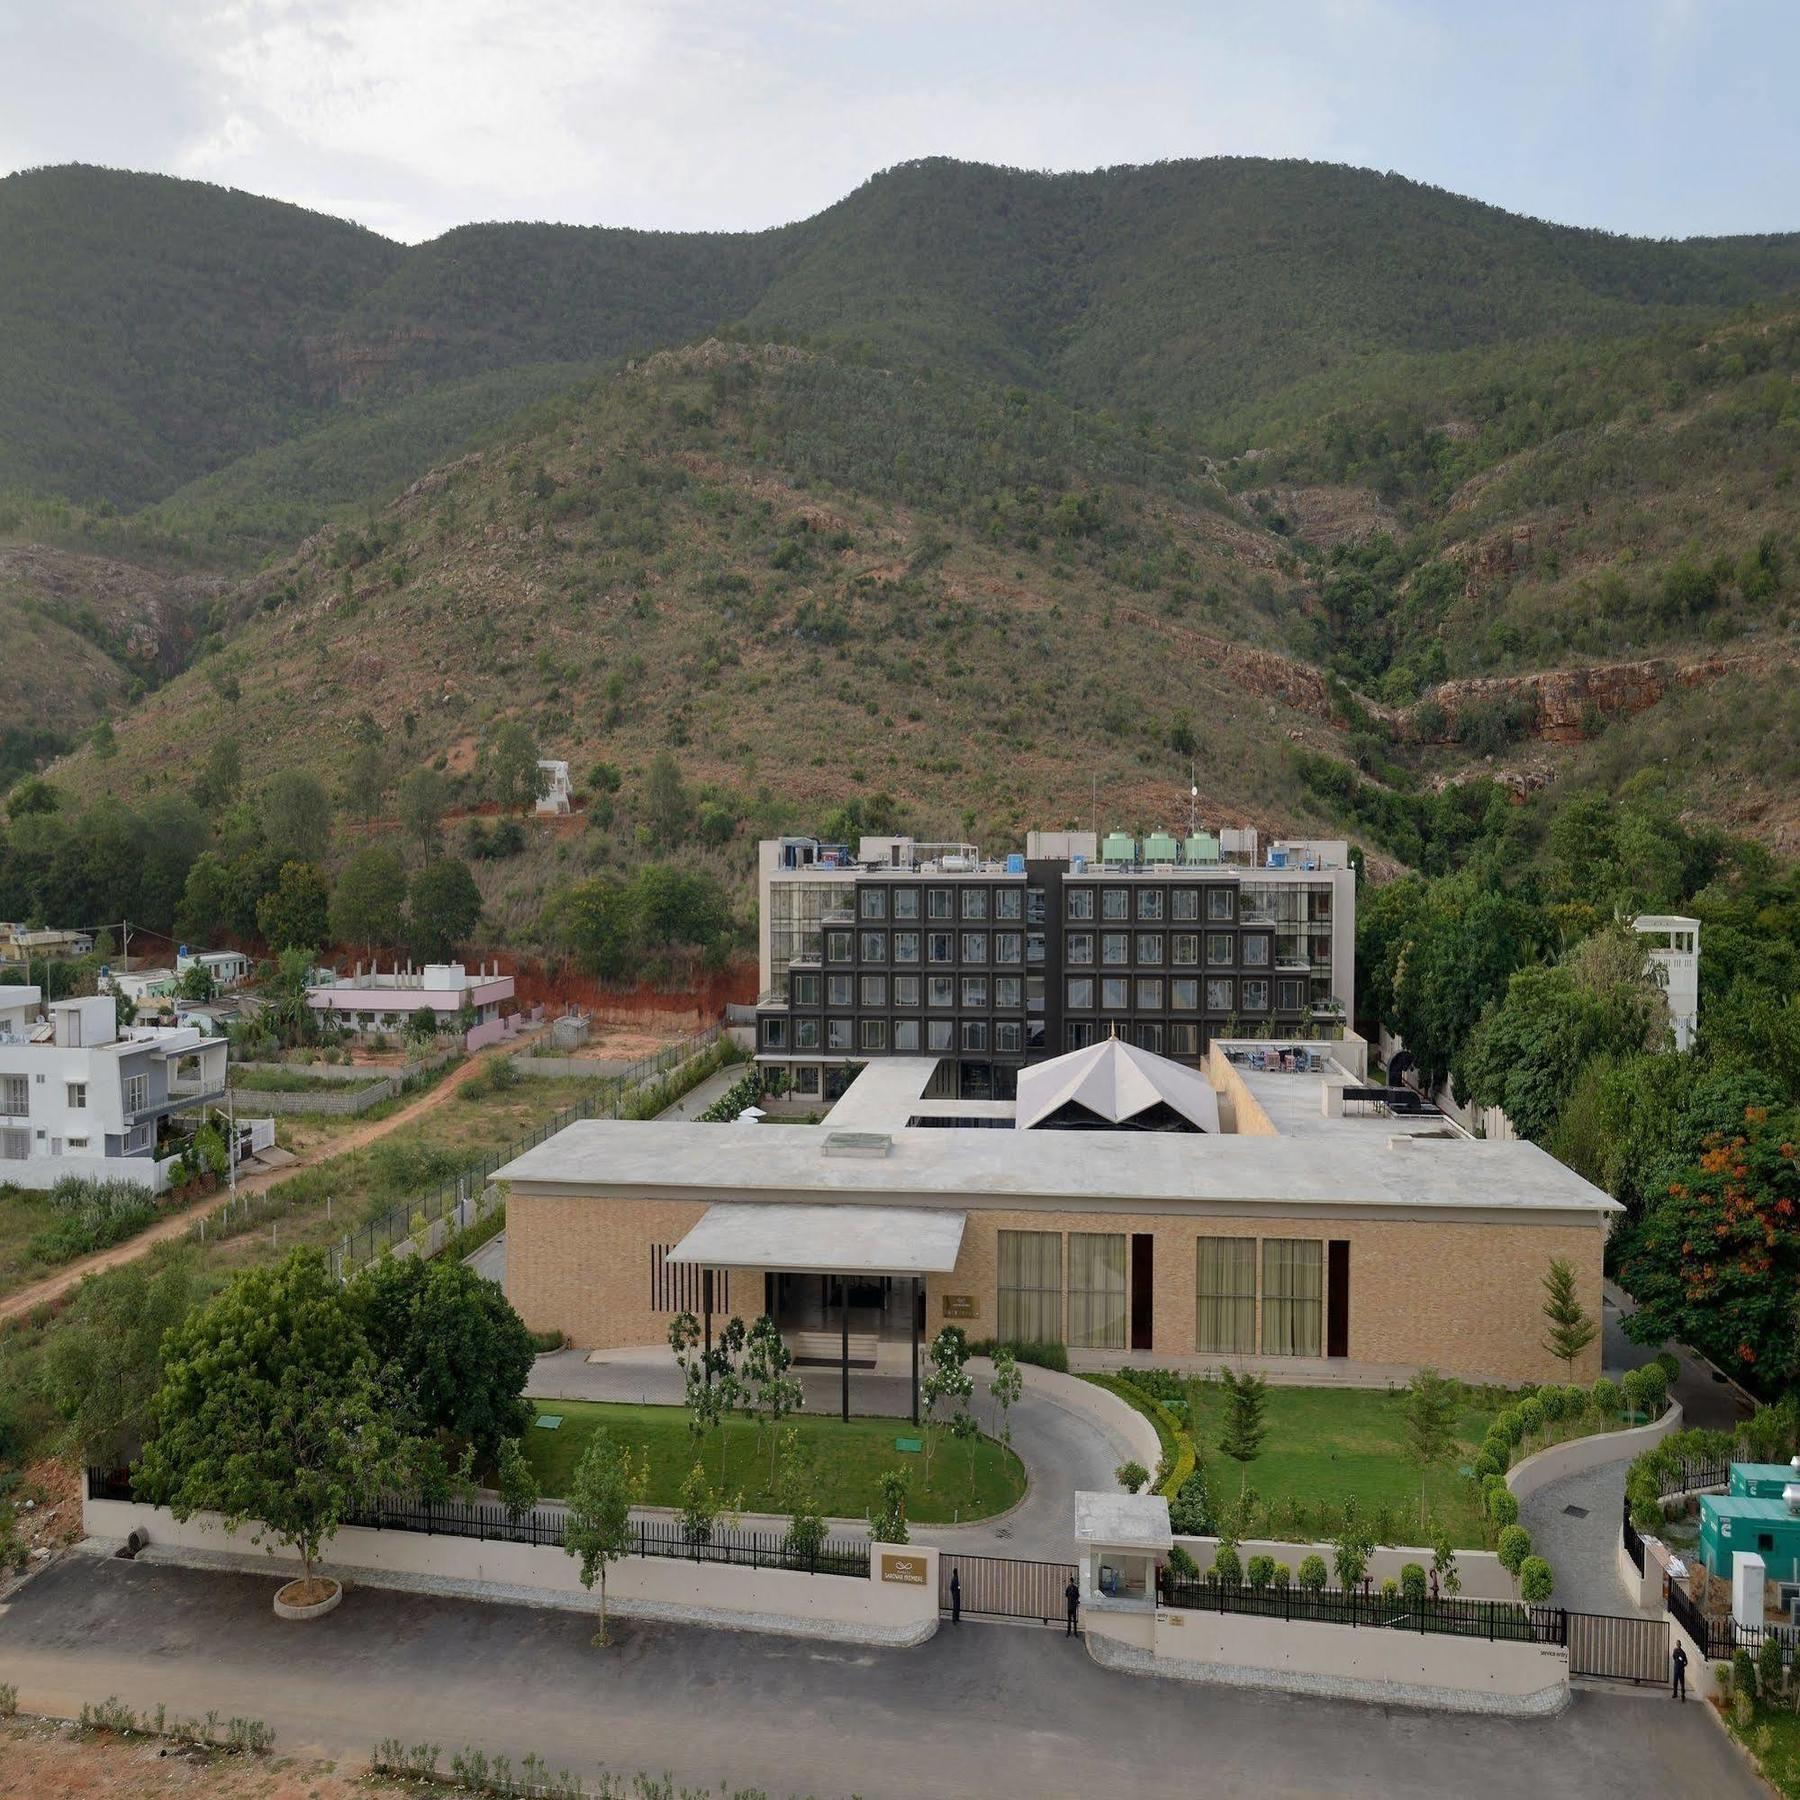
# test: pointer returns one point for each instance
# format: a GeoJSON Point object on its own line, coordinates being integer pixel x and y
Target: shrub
{"type": "Point", "coordinates": [1040, 1356]}
{"type": "Point", "coordinates": [1283, 1578]}
{"type": "Point", "coordinates": [1390, 1588]}
{"type": "Point", "coordinates": [1503, 1507]}
{"type": "Point", "coordinates": [1743, 1673]}
{"type": "Point", "coordinates": [1532, 1416]}
{"type": "Point", "coordinates": [1608, 1401]}
{"type": "Point", "coordinates": [1632, 1387]}
{"type": "Point", "coordinates": [546, 1341]}
{"type": "Point", "coordinates": [1227, 1565]}
{"type": "Point", "coordinates": [1413, 1583]}
{"type": "Point", "coordinates": [1575, 1402]}
{"type": "Point", "coordinates": [1769, 1667]}
{"type": "Point", "coordinates": [1490, 1465]}
{"type": "Point", "coordinates": [1514, 1547]}
{"type": "Point", "coordinates": [1554, 1401]}
{"type": "Point", "coordinates": [1182, 1566]}
{"type": "Point", "coordinates": [1131, 1476]}
{"type": "Point", "coordinates": [1510, 1425]}
{"type": "Point", "coordinates": [1261, 1570]}
{"type": "Point", "coordinates": [9, 1700]}
{"type": "Point", "coordinates": [1536, 1583]}
{"type": "Point", "coordinates": [1670, 1364]}
{"type": "Point", "coordinates": [1653, 1388]}
{"type": "Point", "coordinates": [1190, 1512]}
{"type": "Point", "coordinates": [1312, 1574]}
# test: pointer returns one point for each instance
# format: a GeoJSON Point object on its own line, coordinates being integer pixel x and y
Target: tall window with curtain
{"type": "Point", "coordinates": [1097, 1290]}
{"type": "Point", "coordinates": [1293, 1308]}
{"type": "Point", "coordinates": [1029, 1305]}
{"type": "Point", "coordinates": [1225, 1296]}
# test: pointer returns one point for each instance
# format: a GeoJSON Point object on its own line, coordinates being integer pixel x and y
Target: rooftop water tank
{"type": "Point", "coordinates": [1118, 847]}
{"type": "Point", "coordinates": [1015, 862]}
{"type": "Point", "coordinates": [1159, 847]}
{"type": "Point", "coordinates": [1201, 847]}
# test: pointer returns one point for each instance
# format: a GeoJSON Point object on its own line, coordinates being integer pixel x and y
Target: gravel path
{"type": "Point", "coordinates": [1582, 1550]}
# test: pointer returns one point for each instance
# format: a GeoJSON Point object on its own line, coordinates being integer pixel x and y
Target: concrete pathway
{"type": "Point", "coordinates": [1708, 1399]}
{"type": "Point", "coordinates": [1063, 1446]}
{"type": "Point", "coordinates": [1582, 1546]}
{"type": "Point", "coordinates": [987, 1709]}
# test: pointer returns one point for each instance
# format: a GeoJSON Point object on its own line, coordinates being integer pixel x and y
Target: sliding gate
{"type": "Point", "coordinates": [1615, 1648]}
{"type": "Point", "coordinates": [1006, 1587]}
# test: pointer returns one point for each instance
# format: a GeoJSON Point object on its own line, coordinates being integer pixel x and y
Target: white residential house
{"type": "Point", "coordinates": [556, 797]}
{"type": "Point", "coordinates": [80, 1097]}
{"type": "Point", "coordinates": [229, 968]}
{"type": "Point", "coordinates": [1673, 945]}
{"type": "Point", "coordinates": [145, 984]}
{"type": "Point", "coordinates": [387, 999]}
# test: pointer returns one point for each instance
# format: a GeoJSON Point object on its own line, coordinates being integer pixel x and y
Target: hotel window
{"type": "Point", "coordinates": [1218, 948]}
{"type": "Point", "coordinates": [1081, 990]}
{"type": "Point", "coordinates": [1149, 993]}
{"type": "Point", "coordinates": [906, 946]}
{"type": "Point", "coordinates": [1114, 992]}
{"type": "Point", "coordinates": [974, 1034]}
{"type": "Point", "coordinates": [1184, 949]}
{"type": "Point", "coordinates": [874, 1034]}
{"type": "Point", "coordinates": [873, 901]}
{"type": "Point", "coordinates": [806, 990]}
{"type": "Point", "coordinates": [1218, 903]}
{"type": "Point", "coordinates": [1009, 1037]}
{"type": "Point", "coordinates": [974, 946]}
{"type": "Point", "coordinates": [1078, 903]}
{"type": "Point", "coordinates": [837, 1034]}
{"type": "Point", "coordinates": [1081, 948]}
{"type": "Point", "coordinates": [940, 1034]}
{"type": "Point", "coordinates": [1147, 1037]}
{"type": "Point", "coordinates": [1009, 903]}
{"type": "Point", "coordinates": [1256, 996]}
{"type": "Point", "coordinates": [840, 990]}
{"type": "Point", "coordinates": [1036, 906]}
{"type": "Point", "coordinates": [1293, 1307]}
{"type": "Point", "coordinates": [775, 1034]}
{"type": "Point", "coordinates": [974, 903]}
{"type": "Point", "coordinates": [806, 1081]}
{"type": "Point", "coordinates": [1009, 947]}
{"type": "Point", "coordinates": [906, 990]}
{"type": "Point", "coordinates": [1318, 904]}
{"type": "Point", "coordinates": [1184, 903]}
{"type": "Point", "coordinates": [974, 991]}
{"type": "Point", "coordinates": [941, 904]}
{"type": "Point", "coordinates": [1150, 903]}
{"type": "Point", "coordinates": [1184, 1040]}
{"type": "Point", "coordinates": [1034, 993]}
{"type": "Point", "coordinates": [837, 946]}
{"type": "Point", "coordinates": [906, 903]}
{"type": "Point", "coordinates": [1115, 948]}
{"type": "Point", "coordinates": [1007, 991]}
{"type": "Point", "coordinates": [1256, 950]}
{"type": "Point", "coordinates": [906, 1036]}
{"type": "Point", "coordinates": [1219, 998]}
{"type": "Point", "coordinates": [1225, 1295]}
{"type": "Point", "coordinates": [874, 946]}
{"type": "Point", "coordinates": [1028, 1287]}
{"type": "Point", "coordinates": [1096, 1290]}
{"type": "Point", "coordinates": [943, 990]}
{"type": "Point", "coordinates": [1034, 946]}
{"type": "Point", "coordinates": [1288, 996]}
{"type": "Point", "coordinates": [874, 990]}
{"type": "Point", "coordinates": [1184, 994]}
{"type": "Point", "coordinates": [1150, 947]}
{"type": "Point", "coordinates": [1115, 903]}
{"type": "Point", "coordinates": [806, 1034]}
{"type": "Point", "coordinates": [940, 946]}
{"type": "Point", "coordinates": [78, 1095]}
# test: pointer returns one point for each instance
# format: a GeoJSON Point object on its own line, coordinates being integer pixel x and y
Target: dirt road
{"type": "Point", "coordinates": [175, 1224]}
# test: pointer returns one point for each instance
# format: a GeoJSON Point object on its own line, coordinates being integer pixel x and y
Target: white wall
{"type": "Point", "coordinates": [41, 1173]}
{"type": "Point", "coordinates": [1579, 1455]}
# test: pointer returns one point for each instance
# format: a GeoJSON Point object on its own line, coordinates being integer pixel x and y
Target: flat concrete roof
{"type": "Point", "coordinates": [831, 1240]}
{"type": "Point", "coordinates": [1131, 1170]}
{"type": "Point", "coordinates": [1291, 1099]}
{"type": "Point", "coordinates": [883, 1094]}
{"type": "Point", "coordinates": [1128, 1521]}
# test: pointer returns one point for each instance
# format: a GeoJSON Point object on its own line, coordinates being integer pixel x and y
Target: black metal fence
{"type": "Point", "coordinates": [1695, 1475]}
{"type": "Point", "coordinates": [1716, 1636]}
{"type": "Point", "coordinates": [361, 1247]}
{"type": "Point", "coordinates": [1634, 1541]}
{"type": "Point", "coordinates": [1491, 1619]}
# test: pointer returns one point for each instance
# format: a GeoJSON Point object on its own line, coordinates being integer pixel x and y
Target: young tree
{"type": "Point", "coordinates": [668, 807]}
{"type": "Point", "coordinates": [367, 904]}
{"type": "Point", "coordinates": [889, 1523]}
{"type": "Point", "coordinates": [1351, 1548]}
{"type": "Point", "coordinates": [1513, 1548]}
{"type": "Point", "coordinates": [222, 775]}
{"type": "Point", "coordinates": [272, 1411]}
{"type": "Point", "coordinates": [103, 1364]}
{"type": "Point", "coordinates": [1536, 1581]}
{"type": "Point", "coordinates": [365, 780]}
{"type": "Point", "coordinates": [1131, 1476]}
{"type": "Point", "coordinates": [298, 911]}
{"type": "Point", "coordinates": [775, 1392]}
{"type": "Point", "coordinates": [518, 1485]}
{"type": "Point", "coordinates": [423, 800]}
{"type": "Point", "coordinates": [444, 907]}
{"type": "Point", "coordinates": [513, 776]}
{"type": "Point", "coordinates": [1245, 1424]}
{"type": "Point", "coordinates": [1444, 1571]}
{"type": "Point", "coordinates": [296, 816]}
{"type": "Point", "coordinates": [1571, 1328]}
{"type": "Point", "coordinates": [1005, 1388]}
{"type": "Point", "coordinates": [608, 1482]}
{"type": "Point", "coordinates": [946, 1383]}
{"type": "Point", "coordinates": [196, 983]}
{"type": "Point", "coordinates": [1429, 1420]}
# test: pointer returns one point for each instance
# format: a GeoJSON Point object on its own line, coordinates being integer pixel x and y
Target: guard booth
{"type": "Point", "coordinates": [1121, 1539]}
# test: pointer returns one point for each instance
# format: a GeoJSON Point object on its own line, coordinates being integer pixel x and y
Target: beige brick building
{"type": "Point", "coordinates": [1304, 1228]}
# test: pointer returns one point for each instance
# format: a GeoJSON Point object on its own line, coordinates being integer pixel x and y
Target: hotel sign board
{"type": "Point", "coordinates": [960, 1306]}
{"type": "Point", "coordinates": [907, 1569]}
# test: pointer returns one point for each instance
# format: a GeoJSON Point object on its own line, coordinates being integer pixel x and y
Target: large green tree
{"type": "Point", "coordinates": [513, 776]}
{"type": "Point", "coordinates": [296, 816]}
{"type": "Point", "coordinates": [423, 800]}
{"type": "Point", "coordinates": [443, 908]}
{"type": "Point", "coordinates": [368, 903]}
{"type": "Point", "coordinates": [299, 909]}
{"type": "Point", "coordinates": [273, 1412]}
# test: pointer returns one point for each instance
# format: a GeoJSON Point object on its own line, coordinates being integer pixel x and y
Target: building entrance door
{"type": "Point", "coordinates": [1143, 1286]}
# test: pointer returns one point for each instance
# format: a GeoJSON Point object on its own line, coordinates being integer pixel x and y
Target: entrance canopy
{"type": "Point", "coordinates": [826, 1240]}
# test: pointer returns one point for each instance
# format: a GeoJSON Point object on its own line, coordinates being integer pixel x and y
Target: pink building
{"type": "Point", "coordinates": [387, 999]}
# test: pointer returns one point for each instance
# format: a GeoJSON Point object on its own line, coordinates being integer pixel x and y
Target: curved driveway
{"type": "Point", "coordinates": [1068, 1434]}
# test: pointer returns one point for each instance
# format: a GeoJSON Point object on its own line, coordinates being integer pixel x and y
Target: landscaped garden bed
{"type": "Point", "coordinates": [844, 1462]}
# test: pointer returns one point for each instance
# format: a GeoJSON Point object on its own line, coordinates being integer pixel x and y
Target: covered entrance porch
{"type": "Point", "coordinates": [844, 1284]}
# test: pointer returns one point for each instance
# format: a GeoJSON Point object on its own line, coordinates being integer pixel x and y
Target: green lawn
{"type": "Point", "coordinates": [846, 1461]}
{"type": "Point", "coordinates": [1774, 1740]}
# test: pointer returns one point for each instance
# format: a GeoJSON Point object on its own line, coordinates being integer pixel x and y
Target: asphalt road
{"type": "Point", "coordinates": [987, 1709]}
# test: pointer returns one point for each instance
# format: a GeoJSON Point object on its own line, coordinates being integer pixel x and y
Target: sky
{"type": "Point", "coordinates": [1657, 117]}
